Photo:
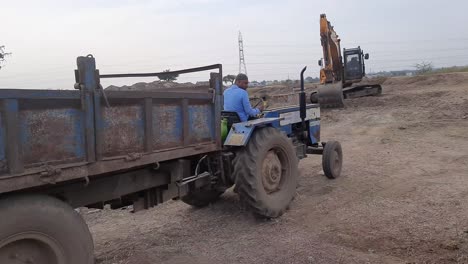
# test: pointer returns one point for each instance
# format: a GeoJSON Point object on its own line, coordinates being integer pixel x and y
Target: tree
{"type": "Point", "coordinates": [3, 54]}
{"type": "Point", "coordinates": [423, 67]}
{"type": "Point", "coordinates": [168, 77]}
{"type": "Point", "coordinates": [229, 78]}
{"type": "Point", "coordinates": [312, 80]}
{"type": "Point", "coordinates": [309, 79]}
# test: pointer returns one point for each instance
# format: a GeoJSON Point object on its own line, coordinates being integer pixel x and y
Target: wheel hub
{"type": "Point", "coordinates": [31, 248]}
{"type": "Point", "coordinates": [271, 172]}
{"type": "Point", "coordinates": [336, 162]}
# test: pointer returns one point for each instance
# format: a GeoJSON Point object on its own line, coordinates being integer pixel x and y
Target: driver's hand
{"type": "Point", "coordinates": [261, 107]}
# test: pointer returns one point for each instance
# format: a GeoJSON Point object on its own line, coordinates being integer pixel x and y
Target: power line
{"type": "Point", "coordinates": [309, 44]}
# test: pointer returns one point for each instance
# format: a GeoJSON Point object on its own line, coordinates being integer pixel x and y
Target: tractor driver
{"type": "Point", "coordinates": [236, 99]}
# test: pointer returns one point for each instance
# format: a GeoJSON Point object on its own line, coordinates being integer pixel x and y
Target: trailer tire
{"type": "Point", "coordinates": [332, 159]}
{"type": "Point", "coordinates": [42, 229]}
{"type": "Point", "coordinates": [202, 198]}
{"type": "Point", "coordinates": [266, 173]}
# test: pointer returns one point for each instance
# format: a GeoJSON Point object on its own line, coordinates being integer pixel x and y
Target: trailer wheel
{"type": "Point", "coordinates": [266, 173]}
{"type": "Point", "coordinates": [43, 230]}
{"type": "Point", "coordinates": [332, 159]}
{"type": "Point", "coordinates": [201, 198]}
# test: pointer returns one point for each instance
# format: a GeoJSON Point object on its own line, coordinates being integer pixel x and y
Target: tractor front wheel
{"type": "Point", "coordinates": [332, 160]}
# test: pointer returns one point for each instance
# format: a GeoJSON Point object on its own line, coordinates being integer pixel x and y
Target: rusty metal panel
{"type": "Point", "coordinates": [167, 125]}
{"type": "Point", "coordinates": [39, 94]}
{"type": "Point", "coordinates": [51, 135]}
{"type": "Point", "coordinates": [201, 122]}
{"type": "Point", "coordinates": [185, 122]}
{"type": "Point", "coordinates": [217, 84]}
{"type": "Point", "coordinates": [86, 80]}
{"type": "Point", "coordinates": [71, 171]}
{"type": "Point", "coordinates": [12, 139]}
{"type": "Point", "coordinates": [148, 110]}
{"type": "Point", "coordinates": [123, 129]}
{"type": "Point", "coordinates": [3, 161]}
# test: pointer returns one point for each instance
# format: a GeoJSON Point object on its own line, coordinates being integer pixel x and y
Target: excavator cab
{"type": "Point", "coordinates": [354, 67]}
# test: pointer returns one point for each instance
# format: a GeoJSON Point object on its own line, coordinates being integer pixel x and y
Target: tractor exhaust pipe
{"type": "Point", "coordinates": [302, 100]}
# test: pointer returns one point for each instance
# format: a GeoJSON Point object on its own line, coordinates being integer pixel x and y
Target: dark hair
{"type": "Point", "coordinates": [241, 77]}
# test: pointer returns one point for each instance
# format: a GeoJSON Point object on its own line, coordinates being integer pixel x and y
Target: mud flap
{"type": "Point", "coordinates": [330, 96]}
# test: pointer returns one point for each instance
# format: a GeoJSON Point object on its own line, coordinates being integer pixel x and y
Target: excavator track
{"type": "Point", "coordinates": [362, 90]}
{"type": "Point", "coordinates": [333, 95]}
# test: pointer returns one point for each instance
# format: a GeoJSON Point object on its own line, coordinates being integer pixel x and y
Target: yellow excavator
{"type": "Point", "coordinates": [341, 74]}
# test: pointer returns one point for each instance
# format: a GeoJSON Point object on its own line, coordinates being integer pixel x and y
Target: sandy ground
{"type": "Point", "coordinates": [402, 197]}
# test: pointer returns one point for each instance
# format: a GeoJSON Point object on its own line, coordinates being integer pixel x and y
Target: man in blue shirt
{"type": "Point", "coordinates": [236, 99]}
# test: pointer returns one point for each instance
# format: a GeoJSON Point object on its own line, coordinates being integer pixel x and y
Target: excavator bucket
{"type": "Point", "coordinates": [330, 96]}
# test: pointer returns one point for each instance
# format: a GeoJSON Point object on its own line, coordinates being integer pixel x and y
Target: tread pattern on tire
{"type": "Point", "coordinates": [330, 147]}
{"type": "Point", "coordinates": [245, 170]}
{"type": "Point", "coordinates": [53, 217]}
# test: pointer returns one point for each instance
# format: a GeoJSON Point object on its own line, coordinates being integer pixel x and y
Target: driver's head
{"type": "Point", "coordinates": [242, 81]}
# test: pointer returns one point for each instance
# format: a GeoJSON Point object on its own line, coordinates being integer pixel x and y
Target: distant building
{"type": "Point", "coordinates": [254, 84]}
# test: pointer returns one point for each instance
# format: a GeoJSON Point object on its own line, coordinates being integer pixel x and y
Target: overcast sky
{"type": "Point", "coordinates": [280, 37]}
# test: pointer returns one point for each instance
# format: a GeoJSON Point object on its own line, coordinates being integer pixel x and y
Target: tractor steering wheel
{"type": "Point", "coordinates": [260, 100]}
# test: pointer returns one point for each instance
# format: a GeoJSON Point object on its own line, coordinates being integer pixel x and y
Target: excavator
{"type": "Point", "coordinates": [340, 74]}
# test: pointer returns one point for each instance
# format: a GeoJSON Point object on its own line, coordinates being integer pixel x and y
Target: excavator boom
{"type": "Point", "coordinates": [332, 68]}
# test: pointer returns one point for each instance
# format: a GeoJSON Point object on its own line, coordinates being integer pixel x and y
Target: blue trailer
{"type": "Point", "coordinates": [64, 149]}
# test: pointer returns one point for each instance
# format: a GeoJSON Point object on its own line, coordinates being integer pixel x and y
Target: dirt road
{"type": "Point", "coordinates": [402, 198]}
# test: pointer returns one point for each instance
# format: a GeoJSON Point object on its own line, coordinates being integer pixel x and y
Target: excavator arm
{"type": "Point", "coordinates": [332, 68]}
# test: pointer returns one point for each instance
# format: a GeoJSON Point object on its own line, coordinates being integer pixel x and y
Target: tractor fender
{"type": "Point", "coordinates": [240, 133]}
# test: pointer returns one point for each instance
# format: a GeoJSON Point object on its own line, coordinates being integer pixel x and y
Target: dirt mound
{"type": "Point", "coordinates": [157, 85]}
{"type": "Point", "coordinates": [374, 80]}
{"type": "Point", "coordinates": [432, 79]}
{"type": "Point", "coordinates": [279, 89]}
{"type": "Point", "coordinates": [280, 95]}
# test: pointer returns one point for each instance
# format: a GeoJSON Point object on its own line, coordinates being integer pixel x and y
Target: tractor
{"type": "Point", "coordinates": [261, 156]}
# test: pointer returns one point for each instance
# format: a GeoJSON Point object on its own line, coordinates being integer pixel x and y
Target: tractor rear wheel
{"type": "Point", "coordinates": [332, 159]}
{"type": "Point", "coordinates": [266, 173]}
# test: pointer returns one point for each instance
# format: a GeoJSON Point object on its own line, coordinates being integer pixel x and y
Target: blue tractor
{"type": "Point", "coordinates": [262, 155]}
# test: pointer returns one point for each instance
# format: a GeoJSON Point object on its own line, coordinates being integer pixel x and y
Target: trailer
{"type": "Point", "coordinates": [88, 147]}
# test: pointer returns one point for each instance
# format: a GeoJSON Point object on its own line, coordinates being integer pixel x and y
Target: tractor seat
{"type": "Point", "coordinates": [232, 118]}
